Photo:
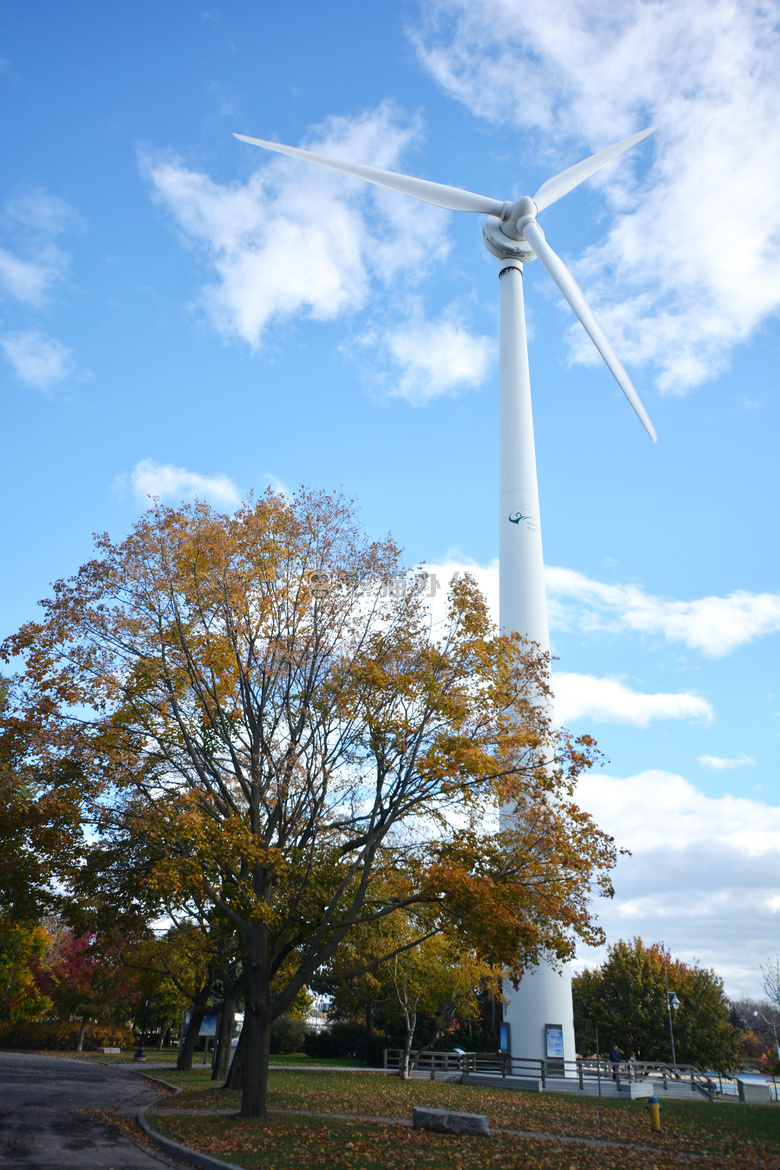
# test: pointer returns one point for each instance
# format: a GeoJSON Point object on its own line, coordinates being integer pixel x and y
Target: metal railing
{"type": "Point", "coordinates": [583, 1070]}
{"type": "Point", "coordinates": [431, 1060]}
{"type": "Point", "coordinates": [496, 1063]}
{"type": "Point", "coordinates": [641, 1070]}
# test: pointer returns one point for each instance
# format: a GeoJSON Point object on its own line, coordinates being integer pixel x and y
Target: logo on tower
{"type": "Point", "coordinates": [518, 516]}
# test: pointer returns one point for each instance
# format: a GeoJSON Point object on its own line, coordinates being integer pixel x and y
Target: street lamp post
{"type": "Point", "coordinates": [140, 1052]}
{"type": "Point", "coordinates": [671, 1002]}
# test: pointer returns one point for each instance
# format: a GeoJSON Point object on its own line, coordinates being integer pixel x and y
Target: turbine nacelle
{"type": "Point", "coordinates": [504, 246]}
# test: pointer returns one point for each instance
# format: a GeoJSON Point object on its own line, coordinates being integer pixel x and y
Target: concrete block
{"type": "Point", "coordinates": [449, 1078]}
{"type": "Point", "coordinates": [450, 1121]}
{"type": "Point", "coordinates": [633, 1090]}
{"type": "Point", "coordinates": [754, 1090]}
{"type": "Point", "coordinates": [110, 1051]}
{"type": "Point", "coordinates": [496, 1081]}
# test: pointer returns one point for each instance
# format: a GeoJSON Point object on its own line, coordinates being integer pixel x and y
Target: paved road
{"type": "Point", "coordinates": [50, 1116]}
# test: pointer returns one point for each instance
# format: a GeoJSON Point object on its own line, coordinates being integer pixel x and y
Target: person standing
{"type": "Point", "coordinates": [614, 1056]}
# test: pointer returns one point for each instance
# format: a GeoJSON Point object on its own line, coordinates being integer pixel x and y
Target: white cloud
{"type": "Point", "coordinates": [581, 696]}
{"type": "Point", "coordinates": [716, 626]}
{"type": "Point", "coordinates": [276, 485]}
{"type": "Point", "coordinates": [40, 361]}
{"type": "Point", "coordinates": [436, 357]}
{"type": "Point", "coordinates": [453, 566]}
{"type": "Point", "coordinates": [38, 211]}
{"type": "Point", "coordinates": [295, 238]}
{"type": "Point", "coordinates": [30, 280]}
{"type": "Point", "coordinates": [426, 359]}
{"type": "Point", "coordinates": [723, 763]}
{"type": "Point", "coordinates": [166, 482]}
{"type": "Point", "coordinates": [703, 871]}
{"type": "Point", "coordinates": [577, 696]}
{"type": "Point", "coordinates": [702, 875]}
{"type": "Point", "coordinates": [33, 219]}
{"type": "Point", "coordinates": [580, 75]}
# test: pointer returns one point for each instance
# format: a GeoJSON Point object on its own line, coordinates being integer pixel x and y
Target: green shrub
{"type": "Point", "coordinates": [478, 1041]}
{"type": "Point", "coordinates": [345, 1039]}
{"type": "Point", "coordinates": [287, 1035]}
{"type": "Point", "coordinates": [62, 1036]}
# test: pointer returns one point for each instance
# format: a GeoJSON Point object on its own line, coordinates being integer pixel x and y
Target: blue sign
{"type": "Point", "coordinates": [554, 1034]}
{"type": "Point", "coordinates": [208, 1026]}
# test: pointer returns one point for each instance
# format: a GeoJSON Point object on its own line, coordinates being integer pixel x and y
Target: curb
{"type": "Point", "coordinates": [183, 1153]}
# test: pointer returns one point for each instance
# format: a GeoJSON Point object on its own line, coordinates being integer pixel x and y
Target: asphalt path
{"type": "Point", "coordinates": [53, 1114]}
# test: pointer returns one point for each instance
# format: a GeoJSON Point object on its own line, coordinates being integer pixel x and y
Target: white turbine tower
{"type": "Point", "coordinates": [540, 1012]}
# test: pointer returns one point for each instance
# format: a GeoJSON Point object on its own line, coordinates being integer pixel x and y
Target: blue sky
{"type": "Point", "coordinates": [182, 314]}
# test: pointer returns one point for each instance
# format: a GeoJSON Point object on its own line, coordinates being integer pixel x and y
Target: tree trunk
{"type": "Point", "coordinates": [184, 1063]}
{"type": "Point", "coordinates": [426, 1048]}
{"type": "Point", "coordinates": [254, 1085]}
{"type": "Point", "coordinates": [403, 1064]}
{"type": "Point", "coordinates": [236, 1074]}
{"type": "Point", "coordinates": [182, 1034]}
{"type": "Point", "coordinates": [257, 1025]}
{"type": "Point", "coordinates": [80, 1045]}
{"type": "Point", "coordinates": [227, 1021]}
{"type": "Point", "coordinates": [187, 1050]}
{"type": "Point", "coordinates": [227, 1018]}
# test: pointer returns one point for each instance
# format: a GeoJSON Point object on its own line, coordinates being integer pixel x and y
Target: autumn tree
{"type": "Point", "coordinates": [756, 1023]}
{"type": "Point", "coordinates": [84, 978]}
{"type": "Point", "coordinates": [356, 980]}
{"type": "Point", "coordinates": [41, 810]}
{"type": "Point", "coordinates": [762, 1020]}
{"type": "Point", "coordinates": [42, 799]}
{"type": "Point", "coordinates": [21, 944]}
{"type": "Point", "coordinates": [433, 984]}
{"type": "Point", "coordinates": [770, 979]}
{"type": "Point", "coordinates": [625, 998]}
{"type": "Point", "coordinates": [265, 689]}
{"type": "Point", "coordinates": [178, 946]}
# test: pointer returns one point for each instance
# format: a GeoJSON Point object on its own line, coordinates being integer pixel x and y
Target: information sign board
{"type": "Point", "coordinates": [554, 1034]}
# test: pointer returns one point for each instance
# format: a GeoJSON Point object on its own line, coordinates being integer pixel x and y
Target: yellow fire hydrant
{"type": "Point", "coordinates": [654, 1107]}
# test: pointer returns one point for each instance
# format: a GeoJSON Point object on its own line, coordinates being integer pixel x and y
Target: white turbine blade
{"type": "Point", "coordinates": [453, 198]}
{"type": "Point", "coordinates": [573, 293]}
{"type": "Point", "coordinates": [566, 181]}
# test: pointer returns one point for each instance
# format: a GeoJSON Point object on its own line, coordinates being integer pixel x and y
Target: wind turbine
{"type": "Point", "coordinates": [540, 1012]}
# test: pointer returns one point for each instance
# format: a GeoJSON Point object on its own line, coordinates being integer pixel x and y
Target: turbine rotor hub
{"type": "Point", "coordinates": [523, 208]}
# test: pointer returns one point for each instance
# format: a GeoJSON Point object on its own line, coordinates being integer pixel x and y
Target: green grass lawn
{"type": "Point", "coordinates": [168, 1057]}
{"type": "Point", "coordinates": [724, 1136]}
{"type": "Point", "coordinates": [300, 1058]}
